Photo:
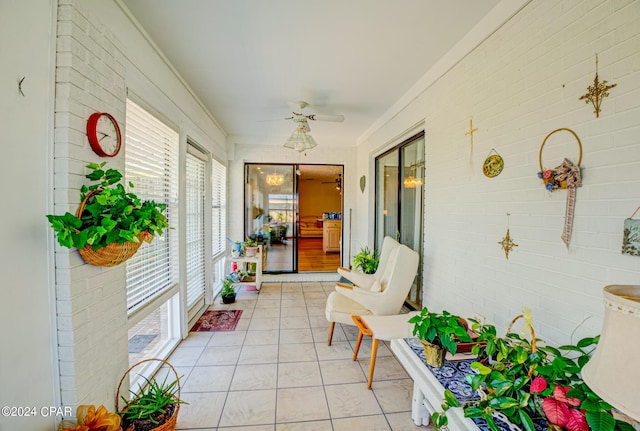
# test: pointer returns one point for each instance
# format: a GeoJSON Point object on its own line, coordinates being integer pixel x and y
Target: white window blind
{"type": "Point", "coordinates": [218, 208]}
{"type": "Point", "coordinates": [195, 195]}
{"type": "Point", "coordinates": [151, 163]}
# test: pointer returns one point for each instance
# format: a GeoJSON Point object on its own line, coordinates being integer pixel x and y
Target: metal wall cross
{"type": "Point", "coordinates": [470, 133]}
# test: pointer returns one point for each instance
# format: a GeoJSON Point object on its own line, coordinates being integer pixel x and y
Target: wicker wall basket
{"type": "Point", "coordinates": [170, 424]}
{"type": "Point", "coordinates": [114, 253]}
{"type": "Point", "coordinates": [111, 255]}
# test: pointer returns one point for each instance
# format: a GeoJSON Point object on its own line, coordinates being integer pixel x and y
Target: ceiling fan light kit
{"type": "Point", "coordinates": [300, 140]}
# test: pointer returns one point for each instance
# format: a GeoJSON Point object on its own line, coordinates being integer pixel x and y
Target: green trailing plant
{"type": "Point", "coordinates": [154, 403]}
{"type": "Point", "coordinates": [366, 260]}
{"type": "Point", "coordinates": [523, 380]}
{"type": "Point", "coordinates": [111, 214]}
{"type": "Point", "coordinates": [442, 329]}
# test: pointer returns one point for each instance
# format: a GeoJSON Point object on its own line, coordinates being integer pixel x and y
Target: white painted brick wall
{"type": "Point", "coordinates": [519, 85]}
{"type": "Point", "coordinates": [91, 301]}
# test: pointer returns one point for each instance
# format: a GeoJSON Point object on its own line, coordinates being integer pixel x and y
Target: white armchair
{"type": "Point", "coordinates": [395, 283]}
{"type": "Point", "coordinates": [389, 246]}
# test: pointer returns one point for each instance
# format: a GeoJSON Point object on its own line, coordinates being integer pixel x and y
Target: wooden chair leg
{"type": "Point", "coordinates": [355, 351]}
{"type": "Point", "coordinates": [372, 364]}
{"type": "Point", "coordinates": [331, 326]}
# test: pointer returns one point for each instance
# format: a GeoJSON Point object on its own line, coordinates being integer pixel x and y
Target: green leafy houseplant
{"type": "Point", "coordinates": [250, 242]}
{"type": "Point", "coordinates": [152, 406]}
{"type": "Point", "coordinates": [244, 275]}
{"type": "Point", "coordinates": [443, 330]}
{"type": "Point", "coordinates": [366, 260]}
{"type": "Point", "coordinates": [228, 293]}
{"type": "Point", "coordinates": [110, 214]}
{"type": "Point", "coordinates": [522, 380]}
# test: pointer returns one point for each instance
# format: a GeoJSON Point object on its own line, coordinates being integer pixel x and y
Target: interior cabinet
{"type": "Point", "coordinates": [331, 235]}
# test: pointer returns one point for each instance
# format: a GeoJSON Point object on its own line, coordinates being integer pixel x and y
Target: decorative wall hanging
{"type": "Point", "coordinates": [631, 236]}
{"type": "Point", "coordinates": [565, 176]}
{"type": "Point", "coordinates": [597, 92]}
{"type": "Point", "coordinates": [363, 183]}
{"type": "Point", "coordinates": [20, 82]}
{"type": "Point", "coordinates": [493, 164]}
{"type": "Point", "coordinates": [507, 242]}
{"type": "Point", "coordinates": [470, 133]}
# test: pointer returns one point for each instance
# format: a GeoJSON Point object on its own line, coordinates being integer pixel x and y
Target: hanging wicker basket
{"type": "Point", "coordinates": [114, 253]}
{"type": "Point", "coordinates": [170, 424]}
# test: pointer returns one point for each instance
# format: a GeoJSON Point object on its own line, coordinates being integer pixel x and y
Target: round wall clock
{"type": "Point", "coordinates": [104, 134]}
{"type": "Point", "coordinates": [493, 165]}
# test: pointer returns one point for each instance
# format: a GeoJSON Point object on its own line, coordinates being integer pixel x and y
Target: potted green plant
{"type": "Point", "coordinates": [521, 380]}
{"type": "Point", "coordinates": [366, 260]}
{"type": "Point", "coordinates": [110, 223]}
{"type": "Point", "coordinates": [154, 406]}
{"type": "Point", "coordinates": [439, 333]}
{"type": "Point", "coordinates": [250, 247]}
{"type": "Point", "coordinates": [244, 276]}
{"type": "Point", "coordinates": [228, 293]}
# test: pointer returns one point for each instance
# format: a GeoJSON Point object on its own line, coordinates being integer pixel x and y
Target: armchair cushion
{"type": "Point", "coordinates": [375, 287]}
{"type": "Point", "coordinates": [340, 308]}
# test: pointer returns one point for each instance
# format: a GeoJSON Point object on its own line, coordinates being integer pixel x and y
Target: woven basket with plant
{"type": "Point", "coordinates": [110, 223]}
{"type": "Point", "coordinates": [154, 406]}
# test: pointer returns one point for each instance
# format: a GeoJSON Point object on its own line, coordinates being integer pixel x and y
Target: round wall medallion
{"type": "Point", "coordinates": [493, 166]}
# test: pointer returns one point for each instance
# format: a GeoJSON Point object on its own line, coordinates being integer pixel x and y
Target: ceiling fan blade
{"type": "Point", "coordinates": [319, 117]}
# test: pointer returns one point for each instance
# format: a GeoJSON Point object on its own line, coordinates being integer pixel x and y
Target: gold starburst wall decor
{"type": "Point", "coordinates": [507, 242]}
{"type": "Point", "coordinates": [597, 92]}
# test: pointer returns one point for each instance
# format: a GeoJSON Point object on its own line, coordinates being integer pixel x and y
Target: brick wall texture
{"type": "Point", "coordinates": [522, 83]}
{"type": "Point", "coordinates": [91, 301]}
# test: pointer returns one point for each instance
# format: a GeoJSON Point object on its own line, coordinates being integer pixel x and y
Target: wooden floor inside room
{"type": "Point", "coordinates": [311, 258]}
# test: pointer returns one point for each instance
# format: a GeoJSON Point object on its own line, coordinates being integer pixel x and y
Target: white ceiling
{"type": "Point", "coordinates": [245, 59]}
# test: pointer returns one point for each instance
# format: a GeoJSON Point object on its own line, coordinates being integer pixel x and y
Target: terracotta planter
{"type": "Point", "coordinates": [433, 354]}
{"type": "Point", "coordinates": [250, 251]}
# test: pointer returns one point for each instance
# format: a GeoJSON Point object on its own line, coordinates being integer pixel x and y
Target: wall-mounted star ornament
{"type": "Point", "coordinates": [597, 92]}
{"type": "Point", "coordinates": [507, 242]}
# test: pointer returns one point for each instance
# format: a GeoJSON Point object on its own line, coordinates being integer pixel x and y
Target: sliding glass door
{"type": "Point", "coordinates": [399, 201]}
{"type": "Point", "coordinates": [270, 213]}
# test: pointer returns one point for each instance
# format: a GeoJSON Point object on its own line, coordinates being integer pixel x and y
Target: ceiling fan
{"type": "Point", "coordinates": [300, 118]}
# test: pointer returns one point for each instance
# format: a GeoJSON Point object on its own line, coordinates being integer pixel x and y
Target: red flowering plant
{"type": "Point", "coordinates": [567, 402]}
{"type": "Point", "coordinates": [521, 380]}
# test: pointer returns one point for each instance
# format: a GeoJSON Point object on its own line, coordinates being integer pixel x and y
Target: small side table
{"type": "Point", "coordinates": [257, 259]}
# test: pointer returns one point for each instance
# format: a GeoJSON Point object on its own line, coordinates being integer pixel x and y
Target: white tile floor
{"type": "Point", "coordinates": [275, 372]}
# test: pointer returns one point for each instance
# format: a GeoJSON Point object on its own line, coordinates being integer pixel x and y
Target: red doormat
{"type": "Point", "coordinates": [218, 320]}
